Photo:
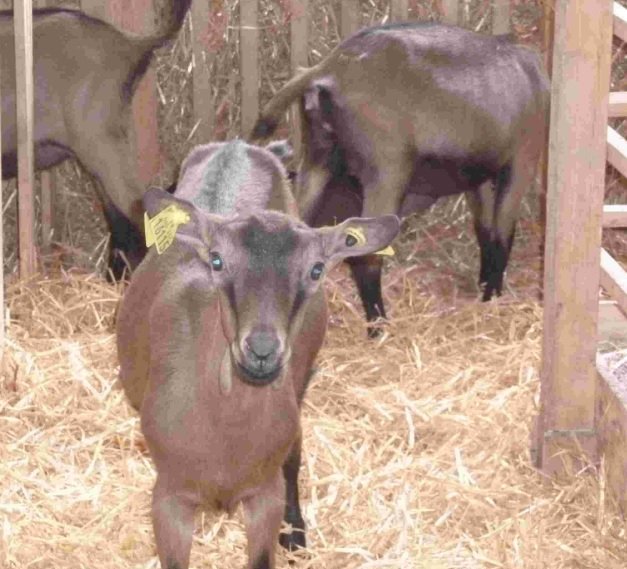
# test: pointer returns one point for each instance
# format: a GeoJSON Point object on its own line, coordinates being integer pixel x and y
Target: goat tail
{"type": "Point", "coordinates": [172, 17]}
{"type": "Point", "coordinates": [272, 113]}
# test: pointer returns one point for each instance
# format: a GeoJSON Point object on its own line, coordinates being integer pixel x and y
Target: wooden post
{"type": "Point", "coordinates": [450, 12]}
{"type": "Point", "coordinates": [249, 64]}
{"type": "Point", "coordinates": [299, 57]}
{"type": "Point", "coordinates": [398, 10]}
{"type": "Point", "coordinates": [136, 16]}
{"type": "Point", "coordinates": [577, 154]}
{"type": "Point", "coordinates": [548, 22]}
{"type": "Point", "coordinates": [203, 102]}
{"type": "Point", "coordinates": [23, 25]}
{"type": "Point", "coordinates": [2, 311]}
{"type": "Point", "coordinates": [501, 11]}
{"type": "Point", "coordinates": [349, 18]}
{"type": "Point", "coordinates": [48, 180]}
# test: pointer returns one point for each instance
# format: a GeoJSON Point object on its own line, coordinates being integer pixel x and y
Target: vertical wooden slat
{"type": "Point", "coordinates": [2, 311]}
{"type": "Point", "coordinates": [450, 11]}
{"type": "Point", "coordinates": [299, 50]}
{"type": "Point", "coordinates": [203, 103]}
{"type": "Point", "coordinates": [349, 17]}
{"type": "Point", "coordinates": [23, 25]}
{"type": "Point", "coordinates": [48, 191]}
{"type": "Point", "coordinates": [48, 182]}
{"type": "Point", "coordinates": [577, 154]}
{"type": "Point", "coordinates": [398, 10]}
{"type": "Point", "coordinates": [249, 64]}
{"type": "Point", "coordinates": [548, 22]}
{"type": "Point", "coordinates": [501, 12]}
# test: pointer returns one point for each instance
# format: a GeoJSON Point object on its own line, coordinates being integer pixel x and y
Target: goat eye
{"type": "Point", "coordinates": [316, 271]}
{"type": "Point", "coordinates": [217, 264]}
{"type": "Point", "coordinates": [350, 240]}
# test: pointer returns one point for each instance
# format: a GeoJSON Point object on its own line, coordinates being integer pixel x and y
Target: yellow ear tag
{"type": "Point", "coordinates": [161, 229]}
{"type": "Point", "coordinates": [358, 234]}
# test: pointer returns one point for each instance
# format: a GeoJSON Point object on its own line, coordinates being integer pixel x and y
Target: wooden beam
{"type": "Point", "coordinates": [2, 310]}
{"type": "Point", "coordinates": [249, 64]}
{"type": "Point", "coordinates": [299, 57]}
{"type": "Point", "coordinates": [620, 21]}
{"type": "Point", "coordinates": [501, 13]}
{"type": "Point", "coordinates": [614, 279]}
{"type": "Point", "coordinates": [204, 112]}
{"type": "Point", "coordinates": [23, 25]}
{"type": "Point", "coordinates": [548, 25]}
{"type": "Point", "coordinates": [451, 12]}
{"type": "Point", "coordinates": [614, 216]}
{"type": "Point", "coordinates": [618, 104]}
{"type": "Point", "coordinates": [617, 151]}
{"type": "Point", "coordinates": [349, 18]}
{"type": "Point", "coordinates": [611, 426]}
{"type": "Point", "coordinates": [48, 183]}
{"type": "Point", "coordinates": [577, 153]}
{"type": "Point", "coordinates": [399, 10]}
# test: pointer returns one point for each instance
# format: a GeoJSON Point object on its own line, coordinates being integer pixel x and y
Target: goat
{"type": "Point", "coordinates": [85, 74]}
{"type": "Point", "coordinates": [217, 336]}
{"type": "Point", "coordinates": [400, 115]}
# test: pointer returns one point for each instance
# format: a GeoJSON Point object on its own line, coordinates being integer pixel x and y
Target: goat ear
{"type": "Point", "coordinates": [169, 217]}
{"type": "Point", "coordinates": [156, 200]}
{"type": "Point", "coordinates": [359, 236]}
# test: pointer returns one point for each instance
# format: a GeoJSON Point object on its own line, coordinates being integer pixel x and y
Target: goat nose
{"type": "Point", "coordinates": [262, 345]}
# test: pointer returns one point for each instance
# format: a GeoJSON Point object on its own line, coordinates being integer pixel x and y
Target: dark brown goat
{"type": "Point", "coordinates": [85, 73]}
{"type": "Point", "coordinates": [401, 115]}
{"type": "Point", "coordinates": [217, 337]}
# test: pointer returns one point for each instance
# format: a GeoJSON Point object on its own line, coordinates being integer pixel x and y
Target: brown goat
{"type": "Point", "coordinates": [217, 336]}
{"type": "Point", "coordinates": [398, 116]}
{"type": "Point", "coordinates": [85, 73]}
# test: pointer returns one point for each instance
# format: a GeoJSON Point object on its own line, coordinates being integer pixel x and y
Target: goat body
{"type": "Point", "coordinates": [216, 339]}
{"type": "Point", "coordinates": [85, 72]}
{"type": "Point", "coordinates": [398, 116]}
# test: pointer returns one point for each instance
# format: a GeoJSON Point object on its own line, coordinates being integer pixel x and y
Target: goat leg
{"type": "Point", "coordinates": [366, 272]}
{"type": "Point", "coordinates": [262, 517]}
{"type": "Point", "coordinates": [173, 521]}
{"type": "Point", "coordinates": [293, 516]}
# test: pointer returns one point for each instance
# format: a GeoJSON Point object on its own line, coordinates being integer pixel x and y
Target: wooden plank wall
{"type": "Point", "coordinates": [581, 72]}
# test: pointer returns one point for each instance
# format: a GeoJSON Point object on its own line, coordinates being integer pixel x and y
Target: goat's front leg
{"type": "Point", "coordinates": [173, 521]}
{"type": "Point", "coordinates": [293, 516]}
{"type": "Point", "coordinates": [263, 513]}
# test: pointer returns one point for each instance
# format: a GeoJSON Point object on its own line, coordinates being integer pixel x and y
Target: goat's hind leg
{"type": "Point", "coordinates": [262, 516]}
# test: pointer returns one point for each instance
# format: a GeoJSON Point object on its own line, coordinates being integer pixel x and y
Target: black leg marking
{"type": "Point", "coordinates": [296, 538]}
{"type": "Point", "coordinates": [127, 248]}
{"type": "Point", "coordinates": [173, 565]}
{"type": "Point", "coordinates": [366, 273]}
{"type": "Point", "coordinates": [263, 562]}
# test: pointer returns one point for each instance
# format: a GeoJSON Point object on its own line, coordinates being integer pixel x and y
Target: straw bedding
{"type": "Point", "coordinates": [416, 450]}
{"type": "Point", "coordinates": [416, 445]}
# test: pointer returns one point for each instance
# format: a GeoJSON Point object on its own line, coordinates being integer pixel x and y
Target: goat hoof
{"type": "Point", "coordinates": [293, 540]}
{"type": "Point", "coordinates": [374, 332]}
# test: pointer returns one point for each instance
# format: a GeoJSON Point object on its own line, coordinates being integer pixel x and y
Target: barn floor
{"type": "Point", "coordinates": [416, 448]}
